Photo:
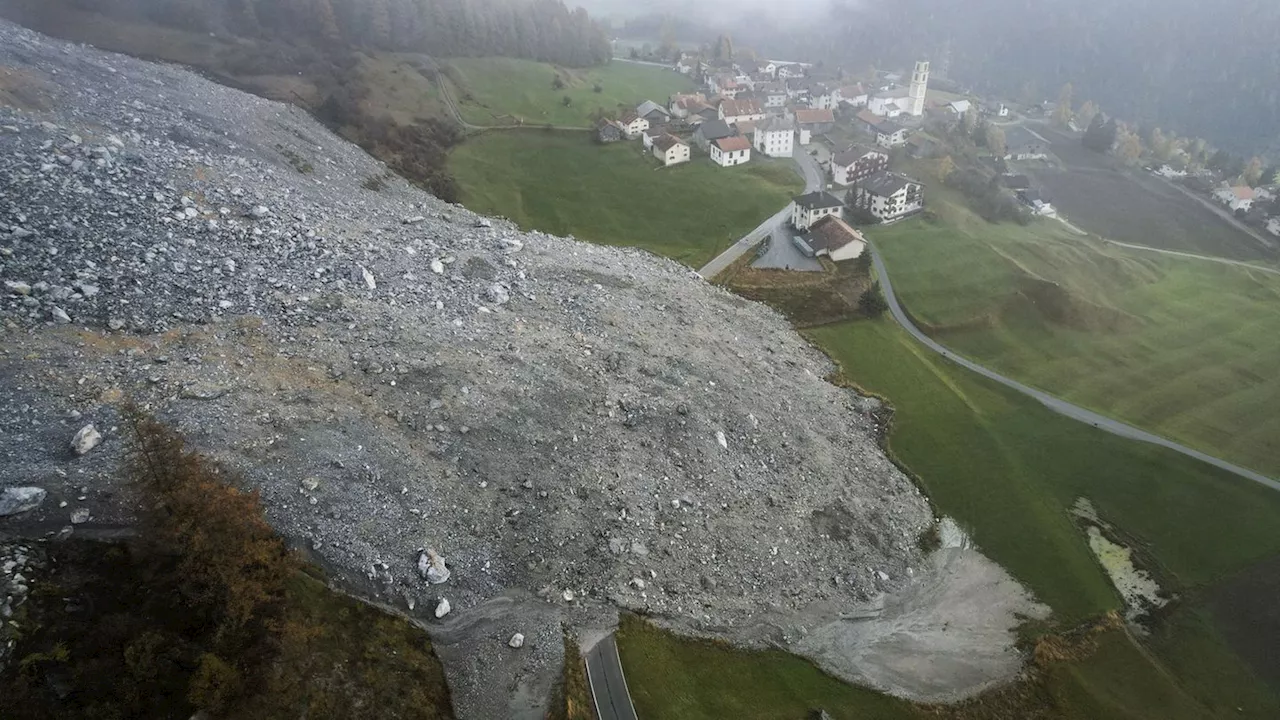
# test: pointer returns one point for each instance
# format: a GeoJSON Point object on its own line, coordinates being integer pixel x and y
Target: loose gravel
{"type": "Point", "coordinates": [571, 428]}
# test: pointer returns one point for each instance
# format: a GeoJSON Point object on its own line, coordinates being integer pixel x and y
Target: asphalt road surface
{"type": "Point", "coordinates": [1058, 405]}
{"type": "Point", "coordinates": [608, 686]}
{"type": "Point", "coordinates": [812, 175]}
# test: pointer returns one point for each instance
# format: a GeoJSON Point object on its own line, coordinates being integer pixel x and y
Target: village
{"type": "Point", "coordinates": [854, 132]}
{"type": "Point", "coordinates": [858, 133]}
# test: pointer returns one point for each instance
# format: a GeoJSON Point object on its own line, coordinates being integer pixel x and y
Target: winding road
{"type": "Point", "coordinates": [812, 175]}
{"type": "Point", "coordinates": [1058, 405]}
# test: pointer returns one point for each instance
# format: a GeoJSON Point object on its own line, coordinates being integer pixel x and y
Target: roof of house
{"type": "Point", "coordinates": [848, 157]}
{"type": "Point", "coordinates": [667, 141]}
{"type": "Point", "coordinates": [831, 233]}
{"type": "Point", "coordinates": [709, 113]}
{"type": "Point", "coordinates": [745, 127]}
{"type": "Point", "coordinates": [960, 106]}
{"type": "Point", "coordinates": [629, 117]}
{"type": "Point", "coordinates": [715, 129]}
{"type": "Point", "coordinates": [809, 117]}
{"type": "Point", "coordinates": [775, 124]}
{"type": "Point", "coordinates": [818, 199]}
{"type": "Point", "coordinates": [885, 127]}
{"type": "Point", "coordinates": [730, 144]}
{"type": "Point", "coordinates": [885, 183]}
{"type": "Point", "coordinates": [734, 108]}
{"type": "Point", "coordinates": [606, 122]}
{"type": "Point", "coordinates": [1242, 192]}
{"type": "Point", "coordinates": [852, 91]}
{"type": "Point", "coordinates": [649, 106]}
{"type": "Point", "coordinates": [653, 132]}
{"type": "Point", "coordinates": [869, 117]}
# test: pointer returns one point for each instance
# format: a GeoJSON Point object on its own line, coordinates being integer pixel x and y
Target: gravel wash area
{"type": "Point", "coordinates": [570, 429]}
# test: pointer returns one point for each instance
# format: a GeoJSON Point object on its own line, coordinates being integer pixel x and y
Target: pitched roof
{"type": "Point", "coordinates": [810, 117]}
{"type": "Point", "coordinates": [819, 199]}
{"type": "Point", "coordinates": [884, 127]}
{"type": "Point", "coordinates": [745, 127]}
{"type": "Point", "coordinates": [869, 117]}
{"type": "Point", "coordinates": [831, 233]}
{"type": "Point", "coordinates": [731, 144]}
{"type": "Point", "coordinates": [852, 155]}
{"type": "Point", "coordinates": [649, 106]}
{"type": "Point", "coordinates": [885, 183]}
{"type": "Point", "coordinates": [629, 117]}
{"type": "Point", "coordinates": [715, 129]}
{"type": "Point", "coordinates": [666, 142]}
{"type": "Point", "coordinates": [1242, 192]}
{"type": "Point", "coordinates": [852, 91]}
{"type": "Point", "coordinates": [775, 124]}
{"type": "Point", "coordinates": [733, 108]}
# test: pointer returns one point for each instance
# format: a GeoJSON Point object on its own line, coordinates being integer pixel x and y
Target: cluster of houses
{"type": "Point", "coordinates": [1244, 199]}
{"type": "Point", "coordinates": [766, 107]}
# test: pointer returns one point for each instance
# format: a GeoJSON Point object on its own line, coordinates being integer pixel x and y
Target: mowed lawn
{"type": "Point", "coordinates": [565, 183]}
{"type": "Point", "coordinates": [1186, 348]}
{"type": "Point", "coordinates": [1008, 470]}
{"type": "Point", "coordinates": [503, 91]}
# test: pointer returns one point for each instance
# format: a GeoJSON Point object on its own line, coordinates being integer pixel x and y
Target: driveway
{"type": "Point", "coordinates": [782, 254]}
{"type": "Point", "coordinates": [813, 180]}
{"type": "Point", "coordinates": [1058, 405]}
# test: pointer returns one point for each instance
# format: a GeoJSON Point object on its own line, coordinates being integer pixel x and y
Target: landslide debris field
{"type": "Point", "coordinates": [571, 428]}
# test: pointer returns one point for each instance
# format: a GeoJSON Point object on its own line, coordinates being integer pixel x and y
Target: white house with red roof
{"type": "Point", "coordinates": [730, 151]}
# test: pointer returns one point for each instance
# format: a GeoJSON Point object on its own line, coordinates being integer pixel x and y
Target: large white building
{"type": "Point", "coordinates": [918, 88]}
{"type": "Point", "coordinates": [888, 196]}
{"type": "Point", "coordinates": [807, 210]}
{"type": "Point", "coordinates": [774, 137]}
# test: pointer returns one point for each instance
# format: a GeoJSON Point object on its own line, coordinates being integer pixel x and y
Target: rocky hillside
{"type": "Point", "coordinates": [569, 428]}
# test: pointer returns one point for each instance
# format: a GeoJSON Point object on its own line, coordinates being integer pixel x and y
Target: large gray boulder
{"type": "Point", "coordinates": [14, 500]}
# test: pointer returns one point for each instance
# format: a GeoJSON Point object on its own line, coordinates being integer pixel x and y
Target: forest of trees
{"type": "Point", "coordinates": [544, 30]}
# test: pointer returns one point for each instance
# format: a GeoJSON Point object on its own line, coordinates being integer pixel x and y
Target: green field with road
{"type": "Point", "coordinates": [1184, 348]}
{"type": "Point", "coordinates": [565, 183]}
{"type": "Point", "coordinates": [1008, 470]}
{"type": "Point", "coordinates": [505, 91]}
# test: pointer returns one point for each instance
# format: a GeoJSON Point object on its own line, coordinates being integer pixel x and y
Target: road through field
{"type": "Point", "coordinates": [1058, 405]}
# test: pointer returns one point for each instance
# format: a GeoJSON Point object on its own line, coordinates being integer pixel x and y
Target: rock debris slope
{"type": "Point", "coordinates": [568, 427]}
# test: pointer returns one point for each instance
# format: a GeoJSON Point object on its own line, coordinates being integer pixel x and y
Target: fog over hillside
{"type": "Point", "coordinates": [1198, 68]}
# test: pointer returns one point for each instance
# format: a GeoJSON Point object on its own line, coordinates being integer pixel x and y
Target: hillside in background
{"type": "Point", "coordinates": [1179, 64]}
{"type": "Point", "coordinates": [537, 29]}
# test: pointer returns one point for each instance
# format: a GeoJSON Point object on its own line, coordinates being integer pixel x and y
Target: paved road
{"type": "Point", "coordinates": [782, 253]}
{"type": "Point", "coordinates": [608, 686]}
{"type": "Point", "coordinates": [1074, 412]}
{"type": "Point", "coordinates": [812, 175]}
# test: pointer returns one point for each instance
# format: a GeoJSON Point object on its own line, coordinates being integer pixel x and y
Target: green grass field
{"type": "Point", "coordinates": [1185, 348]}
{"type": "Point", "coordinates": [1008, 469]}
{"type": "Point", "coordinates": [503, 91]}
{"type": "Point", "coordinates": [564, 183]}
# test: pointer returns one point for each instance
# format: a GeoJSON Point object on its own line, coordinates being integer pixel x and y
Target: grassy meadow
{"type": "Point", "coordinates": [565, 183]}
{"type": "Point", "coordinates": [503, 91]}
{"type": "Point", "coordinates": [1008, 470]}
{"type": "Point", "coordinates": [1185, 348]}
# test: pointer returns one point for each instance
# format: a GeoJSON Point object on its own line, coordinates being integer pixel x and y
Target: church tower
{"type": "Point", "coordinates": [919, 84]}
